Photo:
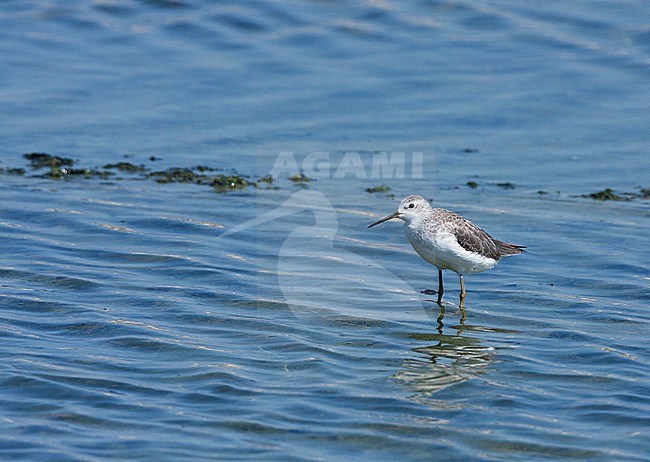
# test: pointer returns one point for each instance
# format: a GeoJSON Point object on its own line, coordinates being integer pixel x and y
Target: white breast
{"type": "Point", "coordinates": [442, 250]}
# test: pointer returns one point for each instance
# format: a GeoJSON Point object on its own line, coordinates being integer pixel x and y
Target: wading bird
{"type": "Point", "coordinates": [448, 241]}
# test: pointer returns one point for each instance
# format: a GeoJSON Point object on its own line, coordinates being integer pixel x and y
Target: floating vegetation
{"type": "Point", "coordinates": [300, 178]}
{"type": "Point", "coordinates": [267, 180]}
{"type": "Point", "coordinates": [41, 159]}
{"type": "Point", "coordinates": [197, 175]}
{"type": "Point", "coordinates": [15, 171]}
{"type": "Point", "coordinates": [48, 166]}
{"type": "Point", "coordinates": [60, 167]}
{"type": "Point", "coordinates": [205, 168]}
{"type": "Point", "coordinates": [57, 172]}
{"type": "Point", "coordinates": [126, 167]}
{"type": "Point", "coordinates": [179, 175]}
{"type": "Point", "coordinates": [64, 168]}
{"type": "Point", "coordinates": [608, 194]}
{"type": "Point", "coordinates": [378, 189]}
{"type": "Point", "coordinates": [223, 183]}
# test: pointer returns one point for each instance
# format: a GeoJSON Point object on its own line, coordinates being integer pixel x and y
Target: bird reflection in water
{"type": "Point", "coordinates": [452, 359]}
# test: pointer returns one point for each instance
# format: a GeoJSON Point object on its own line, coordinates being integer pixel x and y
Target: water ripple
{"type": "Point", "coordinates": [133, 328]}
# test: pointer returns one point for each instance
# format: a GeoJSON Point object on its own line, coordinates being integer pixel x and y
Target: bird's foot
{"type": "Point", "coordinates": [429, 292]}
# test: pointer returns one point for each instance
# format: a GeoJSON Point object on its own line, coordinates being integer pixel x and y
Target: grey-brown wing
{"type": "Point", "coordinates": [505, 248]}
{"type": "Point", "coordinates": [471, 237]}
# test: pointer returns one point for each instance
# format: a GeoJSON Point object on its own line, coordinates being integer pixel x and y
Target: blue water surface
{"type": "Point", "coordinates": [163, 321]}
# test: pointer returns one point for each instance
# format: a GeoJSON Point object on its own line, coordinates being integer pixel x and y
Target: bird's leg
{"type": "Point", "coordinates": [441, 316]}
{"type": "Point", "coordinates": [441, 288]}
{"type": "Point", "coordinates": [462, 291]}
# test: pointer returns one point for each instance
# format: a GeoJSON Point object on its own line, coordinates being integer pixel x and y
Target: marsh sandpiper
{"type": "Point", "coordinates": [448, 241]}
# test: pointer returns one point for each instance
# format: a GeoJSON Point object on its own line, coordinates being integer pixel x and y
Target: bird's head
{"type": "Point", "coordinates": [410, 207]}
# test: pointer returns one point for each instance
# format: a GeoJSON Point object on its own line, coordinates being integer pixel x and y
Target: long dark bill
{"type": "Point", "coordinates": [389, 217]}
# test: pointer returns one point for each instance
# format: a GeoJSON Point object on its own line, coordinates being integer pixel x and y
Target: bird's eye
{"type": "Point", "coordinates": [411, 206]}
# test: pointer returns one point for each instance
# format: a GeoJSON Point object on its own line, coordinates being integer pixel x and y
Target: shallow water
{"type": "Point", "coordinates": [134, 328]}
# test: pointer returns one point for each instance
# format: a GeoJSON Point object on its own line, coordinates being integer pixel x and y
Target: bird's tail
{"type": "Point", "coordinates": [506, 249]}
